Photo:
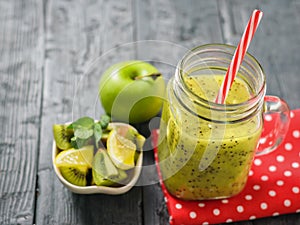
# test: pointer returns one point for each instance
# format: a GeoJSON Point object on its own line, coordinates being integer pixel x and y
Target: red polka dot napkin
{"type": "Point", "coordinates": [273, 187]}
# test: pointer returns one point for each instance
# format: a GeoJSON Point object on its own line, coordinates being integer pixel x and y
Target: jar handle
{"type": "Point", "coordinates": [278, 111]}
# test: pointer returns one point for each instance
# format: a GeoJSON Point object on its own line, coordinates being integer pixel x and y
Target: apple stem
{"type": "Point", "coordinates": [152, 75]}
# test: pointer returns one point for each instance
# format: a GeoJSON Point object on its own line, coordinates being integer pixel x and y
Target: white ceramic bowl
{"type": "Point", "coordinates": [93, 189]}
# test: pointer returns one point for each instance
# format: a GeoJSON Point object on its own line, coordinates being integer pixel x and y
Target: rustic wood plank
{"type": "Point", "coordinates": [21, 62]}
{"type": "Point", "coordinates": [174, 28]}
{"type": "Point", "coordinates": [78, 33]}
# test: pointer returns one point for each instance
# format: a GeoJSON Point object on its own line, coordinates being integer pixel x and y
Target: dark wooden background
{"type": "Point", "coordinates": [52, 53]}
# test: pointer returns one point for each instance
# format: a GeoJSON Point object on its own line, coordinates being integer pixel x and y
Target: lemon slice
{"type": "Point", "coordinates": [121, 150]}
{"type": "Point", "coordinates": [82, 157]}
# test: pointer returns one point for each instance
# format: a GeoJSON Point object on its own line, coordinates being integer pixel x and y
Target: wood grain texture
{"type": "Point", "coordinates": [78, 33]}
{"type": "Point", "coordinates": [52, 54]}
{"type": "Point", "coordinates": [21, 62]}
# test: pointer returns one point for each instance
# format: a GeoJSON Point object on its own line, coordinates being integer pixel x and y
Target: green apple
{"type": "Point", "coordinates": [132, 91]}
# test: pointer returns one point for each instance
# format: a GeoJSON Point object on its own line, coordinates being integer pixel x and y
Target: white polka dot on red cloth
{"type": "Point", "coordinates": [257, 162]}
{"type": "Point", "coordinates": [263, 206]}
{"type": "Point", "coordinates": [225, 201]}
{"type": "Point", "coordinates": [178, 206]}
{"type": "Point", "coordinates": [193, 215]}
{"type": "Point", "coordinates": [296, 134]}
{"type": "Point", "coordinates": [272, 193]}
{"type": "Point", "coordinates": [201, 205]}
{"type": "Point", "coordinates": [240, 208]}
{"type": "Point", "coordinates": [216, 212]}
{"type": "Point", "coordinates": [251, 173]}
{"type": "Point", "coordinates": [275, 214]}
{"type": "Point", "coordinates": [298, 211]}
{"type": "Point", "coordinates": [280, 158]}
{"type": "Point", "coordinates": [287, 173]}
{"type": "Point", "coordinates": [296, 190]}
{"type": "Point", "coordinates": [280, 183]}
{"type": "Point", "coordinates": [229, 221]}
{"type": "Point", "coordinates": [256, 187]}
{"type": "Point", "coordinates": [205, 223]}
{"type": "Point", "coordinates": [295, 165]}
{"type": "Point", "coordinates": [248, 197]}
{"type": "Point", "coordinates": [264, 178]}
{"type": "Point", "coordinates": [287, 203]}
{"type": "Point", "coordinates": [272, 168]}
{"type": "Point", "coordinates": [288, 146]}
{"type": "Point", "coordinates": [252, 217]}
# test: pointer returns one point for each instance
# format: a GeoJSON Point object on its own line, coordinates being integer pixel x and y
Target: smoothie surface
{"type": "Point", "coordinates": [207, 87]}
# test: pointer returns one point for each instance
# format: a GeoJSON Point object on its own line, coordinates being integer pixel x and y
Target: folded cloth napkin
{"type": "Point", "coordinates": [272, 189]}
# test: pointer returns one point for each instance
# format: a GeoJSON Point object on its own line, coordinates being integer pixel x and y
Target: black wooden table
{"type": "Point", "coordinates": [51, 52]}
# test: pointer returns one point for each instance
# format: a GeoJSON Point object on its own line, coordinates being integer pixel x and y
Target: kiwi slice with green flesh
{"type": "Point", "coordinates": [104, 172]}
{"type": "Point", "coordinates": [75, 175]}
{"type": "Point", "coordinates": [62, 136]}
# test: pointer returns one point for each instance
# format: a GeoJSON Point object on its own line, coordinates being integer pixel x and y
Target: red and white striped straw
{"type": "Point", "coordinates": [239, 55]}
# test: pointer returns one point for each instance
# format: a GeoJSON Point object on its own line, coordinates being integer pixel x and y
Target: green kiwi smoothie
{"type": "Point", "coordinates": [200, 158]}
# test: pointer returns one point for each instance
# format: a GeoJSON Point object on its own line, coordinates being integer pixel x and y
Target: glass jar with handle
{"type": "Point", "coordinates": [206, 149]}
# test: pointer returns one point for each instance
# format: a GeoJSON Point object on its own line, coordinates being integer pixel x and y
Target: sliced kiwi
{"type": "Point", "coordinates": [62, 136]}
{"type": "Point", "coordinates": [112, 181]}
{"type": "Point", "coordinates": [104, 171]}
{"type": "Point", "coordinates": [75, 175]}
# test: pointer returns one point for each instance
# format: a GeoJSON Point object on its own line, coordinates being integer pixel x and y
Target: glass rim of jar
{"type": "Point", "coordinates": [226, 49]}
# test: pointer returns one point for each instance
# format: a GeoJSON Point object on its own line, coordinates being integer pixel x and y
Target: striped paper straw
{"type": "Point", "coordinates": [239, 55]}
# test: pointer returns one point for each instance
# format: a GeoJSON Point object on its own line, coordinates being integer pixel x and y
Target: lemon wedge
{"type": "Point", "coordinates": [79, 158]}
{"type": "Point", "coordinates": [121, 150]}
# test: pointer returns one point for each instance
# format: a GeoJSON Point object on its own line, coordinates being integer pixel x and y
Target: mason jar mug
{"type": "Point", "coordinates": [206, 149]}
